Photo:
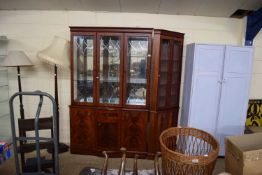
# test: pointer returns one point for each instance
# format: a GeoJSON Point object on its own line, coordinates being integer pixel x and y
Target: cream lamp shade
{"type": "Point", "coordinates": [57, 53]}
{"type": "Point", "coordinates": [16, 58]}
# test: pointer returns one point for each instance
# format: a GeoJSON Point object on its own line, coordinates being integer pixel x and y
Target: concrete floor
{"type": "Point", "coordinates": [72, 164]}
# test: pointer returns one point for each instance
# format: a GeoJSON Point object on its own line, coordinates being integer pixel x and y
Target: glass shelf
{"type": "Point", "coordinates": [137, 81]}
{"type": "Point", "coordinates": [87, 99]}
{"type": "Point", "coordinates": [109, 100]}
{"type": "Point", "coordinates": [109, 80]}
{"type": "Point", "coordinates": [136, 101]}
{"type": "Point", "coordinates": [89, 79]}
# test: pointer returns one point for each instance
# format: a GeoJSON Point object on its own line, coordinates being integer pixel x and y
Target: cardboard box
{"type": "Point", "coordinates": [243, 155]}
{"type": "Point", "coordinates": [254, 129]}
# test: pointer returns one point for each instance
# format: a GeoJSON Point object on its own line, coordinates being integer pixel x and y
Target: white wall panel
{"type": "Point", "coordinates": [145, 6]}
{"type": "Point", "coordinates": [258, 49]}
{"type": "Point", "coordinates": [257, 67]}
{"type": "Point", "coordinates": [256, 84]}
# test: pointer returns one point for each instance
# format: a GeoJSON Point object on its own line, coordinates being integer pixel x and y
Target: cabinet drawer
{"type": "Point", "coordinates": [109, 113]}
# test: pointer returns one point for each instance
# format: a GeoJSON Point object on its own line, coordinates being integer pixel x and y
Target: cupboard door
{"type": "Point", "coordinates": [235, 92]}
{"type": "Point", "coordinates": [159, 121]}
{"type": "Point", "coordinates": [83, 68]}
{"type": "Point", "coordinates": [134, 126]}
{"type": "Point", "coordinates": [108, 129]}
{"type": "Point", "coordinates": [136, 70]}
{"type": "Point", "coordinates": [109, 61]}
{"type": "Point", "coordinates": [175, 73]}
{"type": "Point", "coordinates": [82, 129]}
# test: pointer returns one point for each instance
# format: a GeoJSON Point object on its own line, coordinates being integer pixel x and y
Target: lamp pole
{"type": "Point", "coordinates": [61, 146]}
{"type": "Point", "coordinates": [22, 113]}
{"type": "Point", "coordinates": [56, 99]}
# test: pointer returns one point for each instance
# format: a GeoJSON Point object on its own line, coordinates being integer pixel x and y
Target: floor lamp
{"type": "Point", "coordinates": [57, 55]}
{"type": "Point", "coordinates": [17, 59]}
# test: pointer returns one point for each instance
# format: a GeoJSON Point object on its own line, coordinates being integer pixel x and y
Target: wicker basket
{"type": "Point", "coordinates": [188, 151]}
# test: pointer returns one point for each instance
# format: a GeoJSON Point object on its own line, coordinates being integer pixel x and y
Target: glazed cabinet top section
{"type": "Point", "coordinates": [115, 67]}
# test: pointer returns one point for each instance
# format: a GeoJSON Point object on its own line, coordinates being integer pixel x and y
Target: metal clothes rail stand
{"type": "Point", "coordinates": [37, 138]}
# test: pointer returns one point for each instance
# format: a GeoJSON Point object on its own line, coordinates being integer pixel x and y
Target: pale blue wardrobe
{"type": "Point", "coordinates": [216, 89]}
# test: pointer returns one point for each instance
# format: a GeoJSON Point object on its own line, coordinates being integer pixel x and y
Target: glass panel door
{"type": "Point", "coordinates": [83, 58]}
{"type": "Point", "coordinates": [136, 80]}
{"type": "Point", "coordinates": [175, 73]}
{"type": "Point", "coordinates": [109, 73]}
{"type": "Point", "coordinates": [163, 72]}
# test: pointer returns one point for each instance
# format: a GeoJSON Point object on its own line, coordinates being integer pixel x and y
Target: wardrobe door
{"type": "Point", "coordinates": [235, 92]}
{"type": "Point", "coordinates": [208, 66]}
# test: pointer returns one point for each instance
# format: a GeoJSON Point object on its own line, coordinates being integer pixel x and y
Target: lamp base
{"type": "Point", "coordinates": [62, 148]}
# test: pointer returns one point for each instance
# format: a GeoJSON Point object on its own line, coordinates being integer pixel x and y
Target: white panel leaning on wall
{"type": "Point", "coordinates": [5, 131]}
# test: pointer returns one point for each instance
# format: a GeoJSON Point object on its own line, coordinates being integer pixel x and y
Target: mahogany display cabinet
{"type": "Point", "coordinates": [125, 85]}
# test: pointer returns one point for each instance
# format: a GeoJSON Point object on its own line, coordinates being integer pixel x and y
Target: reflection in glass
{"type": "Point", "coordinates": [164, 63]}
{"type": "Point", "coordinates": [109, 69]}
{"type": "Point", "coordinates": [83, 68]}
{"type": "Point", "coordinates": [137, 52]}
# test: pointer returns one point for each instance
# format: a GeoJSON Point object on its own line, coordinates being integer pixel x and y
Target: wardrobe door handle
{"type": "Point", "coordinates": [222, 81]}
